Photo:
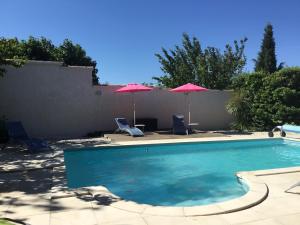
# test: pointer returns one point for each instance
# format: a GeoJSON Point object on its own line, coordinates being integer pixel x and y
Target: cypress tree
{"type": "Point", "coordinates": [266, 60]}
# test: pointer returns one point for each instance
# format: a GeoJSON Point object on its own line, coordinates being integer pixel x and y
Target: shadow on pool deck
{"type": "Point", "coordinates": [26, 180]}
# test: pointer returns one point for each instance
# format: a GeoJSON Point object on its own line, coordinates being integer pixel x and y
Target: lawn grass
{"type": "Point", "coordinates": [5, 222]}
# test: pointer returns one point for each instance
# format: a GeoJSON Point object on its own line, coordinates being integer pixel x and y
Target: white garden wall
{"type": "Point", "coordinates": [55, 101]}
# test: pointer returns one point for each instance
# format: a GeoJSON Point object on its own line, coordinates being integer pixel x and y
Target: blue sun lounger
{"type": "Point", "coordinates": [17, 133]}
{"type": "Point", "coordinates": [285, 128]}
{"type": "Point", "coordinates": [178, 125]}
{"type": "Point", "coordinates": [123, 126]}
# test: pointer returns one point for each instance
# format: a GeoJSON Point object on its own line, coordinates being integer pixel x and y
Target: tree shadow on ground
{"type": "Point", "coordinates": [25, 194]}
{"type": "Point", "coordinates": [26, 180]}
{"type": "Point", "coordinates": [14, 157]}
{"type": "Point", "coordinates": [80, 143]}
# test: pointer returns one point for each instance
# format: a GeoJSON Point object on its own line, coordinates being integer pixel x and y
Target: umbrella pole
{"type": "Point", "coordinates": [189, 108]}
{"type": "Point", "coordinates": [133, 109]}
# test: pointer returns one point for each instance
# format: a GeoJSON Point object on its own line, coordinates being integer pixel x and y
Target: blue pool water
{"type": "Point", "coordinates": [182, 174]}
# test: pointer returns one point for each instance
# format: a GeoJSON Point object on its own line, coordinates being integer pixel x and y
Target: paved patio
{"type": "Point", "coordinates": [32, 191]}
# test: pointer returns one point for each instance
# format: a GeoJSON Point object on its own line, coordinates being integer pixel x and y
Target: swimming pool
{"type": "Point", "coordinates": [181, 174]}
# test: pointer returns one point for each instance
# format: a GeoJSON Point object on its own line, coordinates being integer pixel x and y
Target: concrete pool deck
{"type": "Point", "coordinates": [33, 190]}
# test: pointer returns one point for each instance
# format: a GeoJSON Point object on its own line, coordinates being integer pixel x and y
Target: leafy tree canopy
{"type": "Point", "coordinates": [262, 100]}
{"type": "Point", "coordinates": [15, 52]}
{"type": "Point", "coordinates": [10, 53]}
{"type": "Point", "coordinates": [39, 49]}
{"type": "Point", "coordinates": [206, 67]}
{"type": "Point", "coordinates": [75, 55]}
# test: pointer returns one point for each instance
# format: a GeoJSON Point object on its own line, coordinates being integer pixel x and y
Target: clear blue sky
{"type": "Point", "coordinates": [123, 35]}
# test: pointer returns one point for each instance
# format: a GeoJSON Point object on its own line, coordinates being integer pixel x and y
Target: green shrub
{"type": "Point", "coordinates": [262, 101]}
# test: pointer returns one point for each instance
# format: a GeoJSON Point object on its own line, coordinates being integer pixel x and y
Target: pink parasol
{"type": "Point", "coordinates": [132, 88]}
{"type": "Point", "coordinates": [187, 88]}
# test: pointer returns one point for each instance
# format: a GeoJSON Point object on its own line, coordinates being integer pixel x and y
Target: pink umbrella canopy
{"type": "Point", "coordinates": [187, 88]}
{"type": "Point", "coordinates": [132, 88]}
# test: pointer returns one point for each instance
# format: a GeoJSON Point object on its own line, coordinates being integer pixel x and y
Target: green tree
{"type": "Point", "coordinates": [209, 67]}
{"type": "Point", "coordinates": [15, 52]}
{"type": "Point", "coordinates": [266, 100]}
{"type": "Point", "coordinates": [10, 54]}
{"type": "Point", "coordinates": [39, 49]}
{"type": "Point", "coordinates": [74, 54]}
{"type": "Point", "coordinates": [266, 60]}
